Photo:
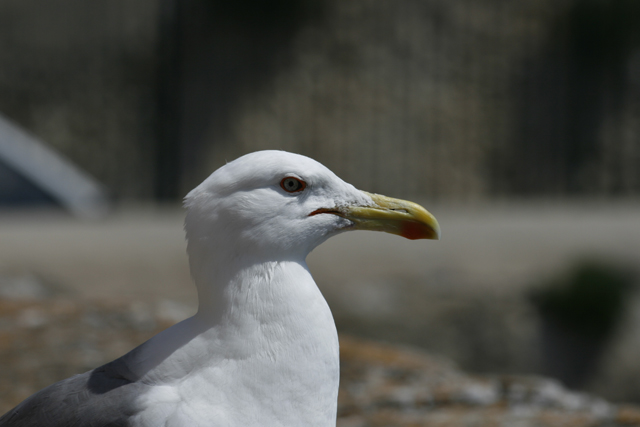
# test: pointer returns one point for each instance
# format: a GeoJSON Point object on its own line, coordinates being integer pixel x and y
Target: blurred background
{"type": "Point", "coordinates": [516, 123]}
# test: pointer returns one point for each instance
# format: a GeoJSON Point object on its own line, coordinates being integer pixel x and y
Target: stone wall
{"type": "Point", "coordinates": [82, 76]}
{"type": "Point", "coordinates": [443, 99]}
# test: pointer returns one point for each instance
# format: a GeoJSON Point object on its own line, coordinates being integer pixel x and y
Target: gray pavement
{"type": "Point", "coordinates": [140, 253]}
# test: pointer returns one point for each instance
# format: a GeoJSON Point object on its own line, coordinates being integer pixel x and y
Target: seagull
{"type": "Point", "coordinates": [262, 349]}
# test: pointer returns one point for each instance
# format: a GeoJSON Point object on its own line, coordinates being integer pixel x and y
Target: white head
{"type": "Point", "coordinates": [246, 207]}
{"type": "Point", "coordinates": [274, 205]}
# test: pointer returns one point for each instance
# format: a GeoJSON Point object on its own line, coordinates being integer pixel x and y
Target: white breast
{"type": "Point", "coordinates": [273, 363]}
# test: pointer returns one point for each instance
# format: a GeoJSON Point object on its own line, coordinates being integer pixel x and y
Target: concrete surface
{"type": "Point", "coordinates": [140, 253]}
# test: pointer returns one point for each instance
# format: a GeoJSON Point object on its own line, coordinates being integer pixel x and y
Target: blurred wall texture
{"type": "Point", "coordinates": [431, 98]}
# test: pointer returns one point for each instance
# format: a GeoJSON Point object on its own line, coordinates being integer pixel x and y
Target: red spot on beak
{"type": "Point", "coordinates": [414, 230]}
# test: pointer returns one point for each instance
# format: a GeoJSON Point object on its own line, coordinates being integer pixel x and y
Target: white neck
{"type": "Point", "coordinates": [266, 338]}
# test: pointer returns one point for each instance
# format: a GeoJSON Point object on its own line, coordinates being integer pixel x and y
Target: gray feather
{"type": "Point", "coordinates": [102, 397]}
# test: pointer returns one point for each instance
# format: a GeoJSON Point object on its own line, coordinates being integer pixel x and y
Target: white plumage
{"type": "Point", "coordinates": [262, 349]}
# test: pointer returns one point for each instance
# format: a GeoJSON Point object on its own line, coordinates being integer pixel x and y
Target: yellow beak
{"type": "Point", "coordinates": [395, 216]}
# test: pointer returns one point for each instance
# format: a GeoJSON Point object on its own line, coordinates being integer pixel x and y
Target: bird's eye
{"type": "Point", "coordinates": [292, 185]}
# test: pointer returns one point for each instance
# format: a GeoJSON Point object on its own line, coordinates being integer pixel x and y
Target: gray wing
{"type": "Point", "coordinates": [102, 397]}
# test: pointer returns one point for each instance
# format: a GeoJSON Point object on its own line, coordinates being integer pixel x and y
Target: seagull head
{"type": "Point", "coordinates": [275, 205]}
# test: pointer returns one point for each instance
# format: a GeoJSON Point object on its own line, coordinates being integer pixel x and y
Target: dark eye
{"type": "Point", "coordinates": [292, 185]}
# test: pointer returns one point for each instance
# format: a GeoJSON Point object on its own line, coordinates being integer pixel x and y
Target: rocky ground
{"type": "Point", "coordinates": [74, 295]}
{"type": "Point", "coordinates": [465, 296]}
{"type": "Point", "coordinates": [45, 340]}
